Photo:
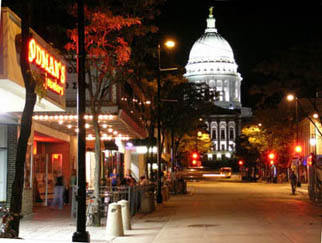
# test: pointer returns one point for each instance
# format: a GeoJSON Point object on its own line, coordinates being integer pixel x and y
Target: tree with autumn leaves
{"type": "Point", "coordinates": [106, 53]}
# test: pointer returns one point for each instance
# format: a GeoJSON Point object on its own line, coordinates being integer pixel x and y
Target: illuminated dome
{"type": "Point", "coordinates": [211, 47]}
{"type": "Point", "coordinates": [211, 61]}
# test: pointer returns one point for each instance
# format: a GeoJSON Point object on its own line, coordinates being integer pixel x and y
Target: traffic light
{"type": "Point", "coordinates": [298, 149]}
{"type": "Point", "coordinates": [240, 162]}
{"type": "Point", "coordinates": [271, 158]}
{"type": "Point", "coordinates": [195, 159]}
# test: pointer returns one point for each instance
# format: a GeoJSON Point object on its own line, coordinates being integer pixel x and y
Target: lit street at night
{"type": "Point", "coordinates": [215, 211]}
{"type": "Point", "coordinates": [158, 121]}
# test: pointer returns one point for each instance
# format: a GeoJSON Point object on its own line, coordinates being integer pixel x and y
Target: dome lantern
{"type": "Point", "coordinates": [211, 22]}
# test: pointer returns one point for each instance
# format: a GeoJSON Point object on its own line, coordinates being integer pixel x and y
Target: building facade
{"type": "Point", "coordinates": [52, 145]}
{"type": "Point", "coordinates": [211, 61]}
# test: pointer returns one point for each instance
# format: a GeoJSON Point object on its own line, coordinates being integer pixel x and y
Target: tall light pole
{"type": "Point", "coordinates": [159, 195]}
{"type": "Point", "coordinates": [169, 44]}
{"type": "Point", "coordinates": [81, 235]}
{"type": "Point", "coordinates": [292, 97]}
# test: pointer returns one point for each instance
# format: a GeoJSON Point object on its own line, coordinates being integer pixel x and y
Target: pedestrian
{"type": "Point", "coordinates": [293, 181]}
{"type": "Point", "coordinates": [114, 179]}
{"type": "Point", "coordinates": [59, 191]}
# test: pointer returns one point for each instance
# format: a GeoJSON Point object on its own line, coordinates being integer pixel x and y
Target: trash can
{"type": "Point", "coordinates": [114, 224]}
{"type": "Point", "coordinates": [146, 203]}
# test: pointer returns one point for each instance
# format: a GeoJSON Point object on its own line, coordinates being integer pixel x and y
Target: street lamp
{"type": "Point", "coordinates": [291, 98]}
{"type": "Point", "coordinates": [169, 44]}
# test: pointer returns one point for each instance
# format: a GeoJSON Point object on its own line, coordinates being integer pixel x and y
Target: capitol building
{"type": "Point", "coordinates": [211, 61]}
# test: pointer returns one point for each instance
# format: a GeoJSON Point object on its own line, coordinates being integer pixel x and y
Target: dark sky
{"type": "Point", "coordinates": [256, 30]}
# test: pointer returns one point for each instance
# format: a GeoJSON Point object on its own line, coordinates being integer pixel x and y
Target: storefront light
{"type": "Point", "coordinates": [141, 149]}
{"type": "Point", "coordinates": [60, 122]}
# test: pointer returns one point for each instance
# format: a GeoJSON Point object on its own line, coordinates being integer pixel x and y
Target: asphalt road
{"type": "Point", "coordinates": [241, 212]}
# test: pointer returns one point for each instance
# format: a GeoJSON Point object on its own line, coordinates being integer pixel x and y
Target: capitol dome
{"type": "Point", "coordinates": [211, 61]}
{"type": "Point", "coordinates": [211, 47]}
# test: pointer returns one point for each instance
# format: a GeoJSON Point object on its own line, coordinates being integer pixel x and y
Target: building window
{"type": "Point", "coordinates": [231, 133]}
{"type": "Point", "coordinates": [3, 162]}
{"type": "Point", "coordinates": [222, 134]}
{"type": "Point", "coordinates": [214, 133]}
{"type": "Point", "coordinates": [222, 147]}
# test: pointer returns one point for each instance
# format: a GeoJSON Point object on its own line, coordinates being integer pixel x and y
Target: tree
{"type": "Point", "coordinates": [107, 52]}
{"type": "Point", "coordinates": [182, 117]}
{"type": "Point", "coordinates": [26, 119]}
{"type": "Point", "coordinates": [296, 69]}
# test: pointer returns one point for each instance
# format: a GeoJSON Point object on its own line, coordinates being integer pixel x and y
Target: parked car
{"type": "Point", "coordinates": [225, 171]}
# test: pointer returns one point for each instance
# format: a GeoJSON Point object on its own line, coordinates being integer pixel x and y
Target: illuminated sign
{"type": "Point", "coordinates": [55, 71]}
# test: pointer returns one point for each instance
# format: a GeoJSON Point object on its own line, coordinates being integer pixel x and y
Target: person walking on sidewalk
{"type": "Point", "coordinates": [293, 182]}
{"type": "Point", "coordinates": [59, 191]}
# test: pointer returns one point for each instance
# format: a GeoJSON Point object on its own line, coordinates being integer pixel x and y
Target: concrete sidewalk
{"type": "Point", "coordinates": [53, 225]}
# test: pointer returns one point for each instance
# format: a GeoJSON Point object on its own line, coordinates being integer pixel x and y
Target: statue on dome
{"type": "Point", "coordinates": [210, 11]}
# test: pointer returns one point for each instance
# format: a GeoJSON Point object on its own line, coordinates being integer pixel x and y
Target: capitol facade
{"type": "Point", "coordinates": [211, 61]}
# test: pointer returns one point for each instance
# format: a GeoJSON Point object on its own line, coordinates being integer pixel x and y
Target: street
{"type": "Point", "coordinates": [212, 211]}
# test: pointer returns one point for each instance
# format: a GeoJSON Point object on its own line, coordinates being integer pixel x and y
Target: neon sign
{"type": "Point", "coordinates": [55, 71]}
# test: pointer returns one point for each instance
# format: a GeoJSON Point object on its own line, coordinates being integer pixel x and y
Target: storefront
{"type": "Point", "coordinates": [48, 149]}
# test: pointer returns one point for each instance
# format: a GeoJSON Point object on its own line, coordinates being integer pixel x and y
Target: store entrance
{"type": "Point", "coordinates": [51, 156]}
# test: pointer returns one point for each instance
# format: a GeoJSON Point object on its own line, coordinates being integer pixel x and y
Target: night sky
{"type": "Point", "coordinates": [255, 30]}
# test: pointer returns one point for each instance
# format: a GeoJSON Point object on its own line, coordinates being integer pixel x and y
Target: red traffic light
{"type": "Point", "coordinates": [271, 156]}
{"type": "Point", "coordinates": [298, 149]}
{"type": "Point", "coordinates": [241, 162]}
{"type": "Point", "coordinates": [195, 156]}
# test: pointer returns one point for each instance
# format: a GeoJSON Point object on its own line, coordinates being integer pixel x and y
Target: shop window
{"type": "Point", "coordinates": [3, 162]}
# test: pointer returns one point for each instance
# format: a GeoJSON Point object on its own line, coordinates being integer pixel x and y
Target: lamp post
{"type": "Point", "coordinates": [81, 235]}
{"type": "Point", "coordinates": [292, 97]}
{"type": "Point", "coordinates": [169, 44]}
{"type": "Point", "coordinates": [159, 195]}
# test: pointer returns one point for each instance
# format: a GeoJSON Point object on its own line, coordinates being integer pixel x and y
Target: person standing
{"type": "Point", "coordinates": [114, 178]}
{"type": "Point", "coordinates": [59, 191]}
{"type": "Point", "coordinates": [293, 181]}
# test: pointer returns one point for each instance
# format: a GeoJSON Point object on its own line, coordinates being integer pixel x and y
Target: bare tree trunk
{"type": "Point", "coordinates": [26, 120]}
{"type": "Point", "coordinates": [97, 174]}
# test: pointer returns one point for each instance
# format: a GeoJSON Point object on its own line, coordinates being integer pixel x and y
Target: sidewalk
{"type": "Point", "coordinates": [53, 225]}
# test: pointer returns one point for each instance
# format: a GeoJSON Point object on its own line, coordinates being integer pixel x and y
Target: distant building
{"type": "Point", "coordinates": [211, 61]}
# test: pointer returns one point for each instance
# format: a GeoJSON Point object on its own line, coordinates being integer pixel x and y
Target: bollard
{"type": "Point", "coordinates": [126, 217]}
{"type": "Point", "coordinates": [114, 224]}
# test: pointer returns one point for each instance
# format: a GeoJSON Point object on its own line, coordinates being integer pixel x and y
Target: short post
{"type": "Point", "coordinates": [126, 217]}
{"type": "Point", "coordinates": [114, 225]}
